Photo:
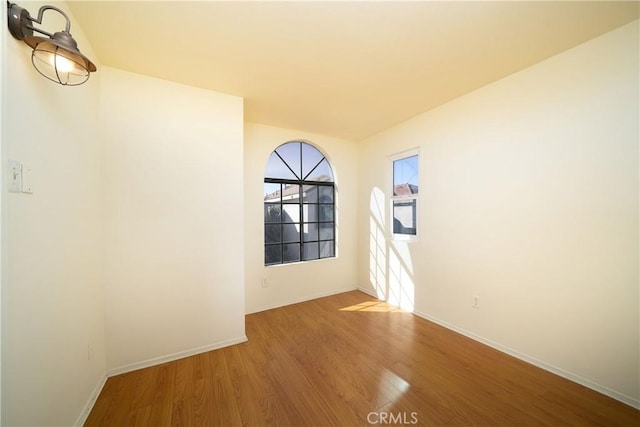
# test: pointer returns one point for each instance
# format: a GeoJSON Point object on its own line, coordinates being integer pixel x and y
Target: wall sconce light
{"type": "Point", "coordinates": [56, 56]}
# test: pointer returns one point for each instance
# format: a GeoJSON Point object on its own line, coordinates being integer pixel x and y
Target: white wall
{"type": "Point", "coordinates": [173, 207]}
{"type": "Point", "coordinates": [300, 281]}
{"type": "Point", "coordinates": [52, 302]}
{"type": "Point", "coordinates": [529, 200]}
{"type": "Point", "coordinates": [3, 64]}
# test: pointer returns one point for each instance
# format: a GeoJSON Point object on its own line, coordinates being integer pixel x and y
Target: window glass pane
{"type": "Point", "coordinates": [290, 233]}
{"type": "Point", "coordinates": [271, 192]}
{"type": "Point", "coordinates": [310, 232]}
{"type": "Point", "coordinates": [326, 194]}
{"type": "Point", "coordinates": [272, 255]}
{"type": "Point", "coordinates": [310, 251]}
{"type": "Point", "coordinates": [326, 212]}
{"type": "Point", "coordinates": [298, 214]}
{"type": "Point", "coordinates": [311, 156]}
{"type": "Point", "coordinates": [272, 212]}
{"type": "Point", "coordinates": [405, 176]}
{"type": "Point", "coordinates": [327, 249]}
{"type": "Point", "coordinates": [310, 193]}
{"type": "Point", "coordinates": [291, 213]}
{"type": "Point", "coordinates": [272, 233]}
{"type": "Point", "coordinates": [321, 173]}
{"type": "Point", "coordinates": [326, 231]}
{"type": "Point", "coordinates": [290, 153]}
{"type": "Point", "coordinates": [291, 253]}
{"type": "Point", "coordinates": [310, 213]}
{"type": "Point", "coordinates": [291, 193]}
{"type": "Point", "coordinates": [404, 217]}
{"type": "Point", "coordinates": [277, 169]}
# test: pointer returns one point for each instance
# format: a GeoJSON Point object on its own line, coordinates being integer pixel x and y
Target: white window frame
{"type": "Point", "coordinates": [416, 197]}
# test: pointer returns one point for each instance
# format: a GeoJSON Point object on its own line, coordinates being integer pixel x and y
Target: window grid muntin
{"type": "Point", "coordinates": [301, 183]}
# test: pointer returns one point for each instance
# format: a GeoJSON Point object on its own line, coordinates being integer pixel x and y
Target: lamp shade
{"type": "Point", "coordinates": [58, 59]}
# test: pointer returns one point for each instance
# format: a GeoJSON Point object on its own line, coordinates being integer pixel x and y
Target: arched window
{"type": "Point", "coordinates": [299, 205]}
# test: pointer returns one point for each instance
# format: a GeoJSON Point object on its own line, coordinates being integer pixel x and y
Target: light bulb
{"type": "Point", "coordinates": [61, 63]}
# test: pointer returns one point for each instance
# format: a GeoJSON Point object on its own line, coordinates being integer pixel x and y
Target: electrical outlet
{"type": "Point", "coordinates": [476, 301]}
{"type": "Point", "coordinates": [265, 282]}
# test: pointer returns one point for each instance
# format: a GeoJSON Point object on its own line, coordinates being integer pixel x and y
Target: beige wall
{"type": "Point", "coordinates": [3, 249]}
{"type": "Point", "coordinates": [173, 208]}
{"type": "Point", "coordinates": [528, 200]}
{"type": "Point", "coordinates": [52, 301]}
{"type": "Point", "coordinates": [128, 234]}
{"type": "Point", "coordinates": [301, 281]}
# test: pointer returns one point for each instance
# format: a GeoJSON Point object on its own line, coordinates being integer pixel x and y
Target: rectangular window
{"type": "Point", "coordinates": [404, 199]}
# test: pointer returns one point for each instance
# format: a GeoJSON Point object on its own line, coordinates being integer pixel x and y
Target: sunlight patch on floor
{"type": "Point", "coordinates": [374, 306]}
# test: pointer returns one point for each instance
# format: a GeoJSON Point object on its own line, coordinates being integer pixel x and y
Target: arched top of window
{"type": "Point", "coordinates": [298, 161]}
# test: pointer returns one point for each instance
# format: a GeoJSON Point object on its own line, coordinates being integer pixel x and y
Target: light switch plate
{"type": "Point", "coordinates": [15, 176]}
{"type": "Point", "coordinates": [27, 182]}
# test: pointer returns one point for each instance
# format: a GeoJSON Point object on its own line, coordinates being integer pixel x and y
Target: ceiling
{"type": "Point", "coordinates": [345, 69]}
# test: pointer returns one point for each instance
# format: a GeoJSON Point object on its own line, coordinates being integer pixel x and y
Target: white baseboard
{"type": "Point", "coordinates": [92, 400]}
{"type": "Point", "coordinates": [635, 403]}
{"type": "Point", "coordinates": [303, 299]}
{"type": "Point", "coordinates": [148, 363]}
{"type": "Point", "coordinates": [368, 292]}
{"type": "Point", "coordinates": [175, 356]}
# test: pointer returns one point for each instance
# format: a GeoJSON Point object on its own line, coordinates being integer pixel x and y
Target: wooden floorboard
{"type": "Point", "coordinates": [345, 360]}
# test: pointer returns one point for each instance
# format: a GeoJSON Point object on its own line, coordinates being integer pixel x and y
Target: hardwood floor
{"type": "Point", "coordinates": [351, 360]}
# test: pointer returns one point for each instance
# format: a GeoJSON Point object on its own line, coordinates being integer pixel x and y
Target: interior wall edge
{"type": "Point", "coordinates": [304, 299]}
{"type": "Point", "coordinates": [367, 291]}
{"type": "Point", "coordinates": [82, 418]}
{"type": "Point", "coordinates": [175, 356]}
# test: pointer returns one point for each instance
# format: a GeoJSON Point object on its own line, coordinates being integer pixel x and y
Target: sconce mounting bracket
{"type": "Point", "coordinates": [19, 22]}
